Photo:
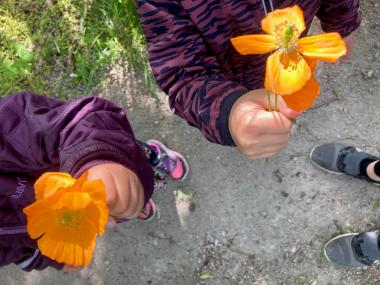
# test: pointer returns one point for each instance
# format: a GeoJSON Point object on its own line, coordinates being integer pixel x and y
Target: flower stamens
{"type": "Point", "coordinates": [286, 36]}
{"type": "Point", "coordinates": [70, 219]}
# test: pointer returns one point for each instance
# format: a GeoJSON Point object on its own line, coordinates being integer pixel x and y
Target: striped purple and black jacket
{"type": "Point", "coordinates": [195, 64]}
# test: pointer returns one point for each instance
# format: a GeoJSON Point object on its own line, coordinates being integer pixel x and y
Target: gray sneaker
{"type": "Point", "coordinates": [340, 159]}
{"type": "Point", "coordinates": [355, 250]}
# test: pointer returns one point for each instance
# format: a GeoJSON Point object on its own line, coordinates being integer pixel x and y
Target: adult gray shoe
{"type": "Point", "coordinates": [341, 159]}
{"type": "Point", "coordinates": [352, 249]}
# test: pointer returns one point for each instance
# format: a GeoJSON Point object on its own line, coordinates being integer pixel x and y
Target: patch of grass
{"type": "Point", "coordinates": [338, 226]}
{"type": "Point", "coordinates": [376, 205]}
{"type": "Point", "coordinates": [60, 47]}
{"type": "Point", "coordinates": [302, 278]}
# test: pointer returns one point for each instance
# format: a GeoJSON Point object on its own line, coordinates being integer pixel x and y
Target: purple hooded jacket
{"type": "Point", "coordinates": [39, 134]}
{"type": "Point", "coordinates": [195, 64]}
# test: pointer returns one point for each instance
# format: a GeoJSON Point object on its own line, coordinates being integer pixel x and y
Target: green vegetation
{"type": "Point", "coordinates": [376, 205]}
{"type": "Point", "coordinates": [53, 46]}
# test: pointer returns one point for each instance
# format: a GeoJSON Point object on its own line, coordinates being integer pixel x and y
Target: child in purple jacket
{"type": "Point", "coordinates": [39, 134]}
{"type": "Point", "coordinates": [209, 83]}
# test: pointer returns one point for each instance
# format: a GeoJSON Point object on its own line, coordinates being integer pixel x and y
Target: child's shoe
{"type": "Point", "coordinates": [358, 250]}
{"type": "Point", "coordinates": [171, 163]}
{"type": "Point", "coordinates": [149, 212]}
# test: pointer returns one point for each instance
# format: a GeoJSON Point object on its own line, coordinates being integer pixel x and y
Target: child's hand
{"type": "Point", "coordinates": [125, 193]}
{"type": "Point", "coordinates": [256, 132]}
{"type": "Point", "coordinates": [69, 268]}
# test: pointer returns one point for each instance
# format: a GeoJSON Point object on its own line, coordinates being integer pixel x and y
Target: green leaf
{"type": "Point", "coordinates": [23, 53]}
{"type": "Point", "coordinates": [205, 276]}
{"type": "Point", "coordinates": [180, 194]}
{"type": "Point", "coordinates": [376, 205]}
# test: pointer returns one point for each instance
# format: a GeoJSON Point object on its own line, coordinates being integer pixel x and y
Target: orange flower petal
{"type": "Point", "coordinates": [254, 44]}
{"type": "Point", "coordinates": [329, 47]}
{"type": "Point", "coordinates": [39, 217]}
{"type": "Point", "coordinates": [69, 219]}
{"type": "Point", "coordinates": [285, 81]}
{"type": "Point", "coordinates": [304, 98]}
{"type": "Point", "coordinates": [312, 62]}
{"type": "Point", "coordinates": [96, 189]}
{"type": "Point", "coordinates": [275, 21]}
{"type": "Point", "coordinates": [73, 247]}
{"type": "Point", "coordinates": [50, 182]}
{"type": "Point", "coordinates": [80, 181]}
{"type": "Point", "coordinates": [73, 201]}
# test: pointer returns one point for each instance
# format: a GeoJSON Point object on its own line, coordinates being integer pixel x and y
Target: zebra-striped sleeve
{"type": "Point", "coordinates": [187, 71]}
{"type": "Point", "coordinates": [340, 16]}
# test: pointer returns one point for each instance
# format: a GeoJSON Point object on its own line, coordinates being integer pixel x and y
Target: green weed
{"type": "Point", "coordinates": [62, 47]}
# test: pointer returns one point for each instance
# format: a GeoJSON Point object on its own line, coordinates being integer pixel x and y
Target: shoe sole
{"type": "Point", "coordinates": [358, 264]}
{"type": "Point", "coordinates": [172, 153]}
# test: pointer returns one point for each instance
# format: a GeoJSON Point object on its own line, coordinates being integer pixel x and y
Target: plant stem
{"type": "Point", "coordinates": [276, 102]}
{"type": "Point", "coordinates": [269, 102]}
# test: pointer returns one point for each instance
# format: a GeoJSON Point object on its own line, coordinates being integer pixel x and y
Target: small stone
{"type": "Point", "coordinates": [284, 194]}
{"type": "Point", "coordinates": [370, 73]}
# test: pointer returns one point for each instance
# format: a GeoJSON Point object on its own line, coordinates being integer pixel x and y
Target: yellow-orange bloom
{"type": "Point", "coordinates": [67, 216]}
{"type": "Point", "coordinates": [287, 70]}
{"type": "Point", "coordinates": [305, 97]}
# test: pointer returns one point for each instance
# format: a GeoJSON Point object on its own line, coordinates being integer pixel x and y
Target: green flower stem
{"type": "Point", "coordinates": [269, 102]}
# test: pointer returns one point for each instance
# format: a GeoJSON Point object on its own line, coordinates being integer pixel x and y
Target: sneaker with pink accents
{"type": "Point", "coordinates": [171, 163]}
{"type": "Point", "coordinates": [149, 212]}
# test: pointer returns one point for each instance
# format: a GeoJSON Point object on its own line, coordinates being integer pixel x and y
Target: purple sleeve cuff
{"type": "Point", "coordinates": [225, 110]}
{"type": "Point", "coordinates": [41, 262]}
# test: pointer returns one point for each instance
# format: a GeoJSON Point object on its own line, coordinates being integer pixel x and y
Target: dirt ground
{"type": "Point", "coordinates": [248, 222]}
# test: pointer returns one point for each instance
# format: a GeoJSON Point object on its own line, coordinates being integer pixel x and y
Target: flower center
{"type": "Point", "coordinates": [289, 60]}
{"type": "Point", "coordinates": [71, 219]}
{"type": "Point", "coordinates": [286, 36]}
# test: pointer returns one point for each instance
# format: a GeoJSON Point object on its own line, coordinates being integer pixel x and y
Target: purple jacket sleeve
{"type": "Point", "coordinates": [185, 69]}
{"type": "Point", "coordinates": [39, 134]}
{"type": "Point", "coordinates": [27, 258]}
{"type": "Point", "coordinates": [340, 16]}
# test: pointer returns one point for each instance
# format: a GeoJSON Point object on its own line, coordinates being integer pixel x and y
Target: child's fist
{"type": "Point", "coordinates": [125, 193]}
{"type": "Point", "coordinates": [256, 132]}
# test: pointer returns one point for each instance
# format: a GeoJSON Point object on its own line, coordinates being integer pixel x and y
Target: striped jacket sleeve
{"type": "Point", "coordinates": [340, 16]}
{"type": "Point", "coordinates": [186, 70]}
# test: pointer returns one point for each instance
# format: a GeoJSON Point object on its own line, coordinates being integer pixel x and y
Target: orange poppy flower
{"type": "Point", "coordinates": [67, 217]}
{"type": "Point", "coordinates": [304, 98]}
{"type": "Point", "coordinates": [287, 70]}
